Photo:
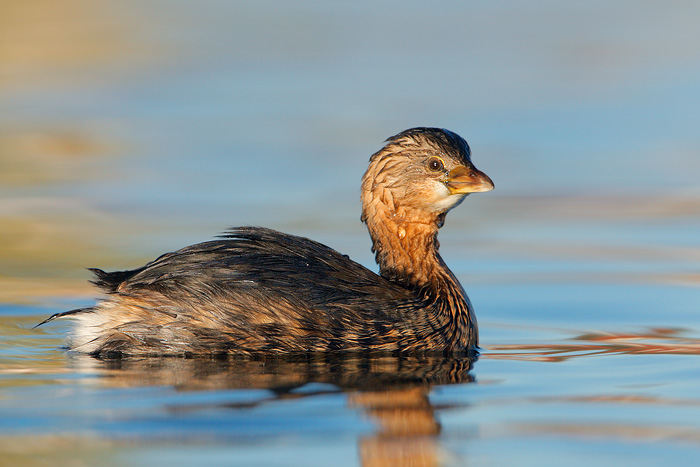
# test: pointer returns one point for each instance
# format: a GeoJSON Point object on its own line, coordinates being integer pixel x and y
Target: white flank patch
{"type": "Point", "coordinates": [88, 328]}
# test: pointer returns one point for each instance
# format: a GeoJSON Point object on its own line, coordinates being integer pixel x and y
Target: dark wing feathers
{"type": "Point", "coordinates": [257, 290]}
{"type": "Point", "coordinates": [266, 264]}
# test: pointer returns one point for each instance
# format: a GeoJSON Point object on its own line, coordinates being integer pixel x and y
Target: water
{"type": "Point", "coordinates": [130, 130]}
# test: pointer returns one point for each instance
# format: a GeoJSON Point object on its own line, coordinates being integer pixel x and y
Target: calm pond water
{"type": "Point", "coordinates": [133, 128]}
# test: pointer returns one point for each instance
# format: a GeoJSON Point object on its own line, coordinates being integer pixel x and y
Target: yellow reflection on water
{"type": "Point", "coordinates": [44, 41]}
{"type": "Point", "coordinates": [46, 451]}
{"type": "Point", "coordinates": [31, 158]}
{"type": "Point", "coordinates": [46, 239]}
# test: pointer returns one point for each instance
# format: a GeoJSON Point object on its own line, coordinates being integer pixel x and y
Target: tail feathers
{"type": "Point", "coordinates": [110, 281]}
{"type": "Point", "coordinates": [65, 313]}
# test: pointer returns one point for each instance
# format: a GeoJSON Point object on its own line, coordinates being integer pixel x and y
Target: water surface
{"type": "Point", "coordinates": [133, 129]}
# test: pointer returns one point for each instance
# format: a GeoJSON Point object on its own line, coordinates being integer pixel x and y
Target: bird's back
{"type": "Point", "coordinates": [255, 290]}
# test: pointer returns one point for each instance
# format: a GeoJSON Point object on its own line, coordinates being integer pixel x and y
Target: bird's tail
{"type": "Point", "coordinates": [65, 313]}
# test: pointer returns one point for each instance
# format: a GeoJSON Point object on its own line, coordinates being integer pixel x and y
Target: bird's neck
{"type": "Point", "coordinates": [406, 247]}
{"type": "Point", "coordinates": [407, 251]}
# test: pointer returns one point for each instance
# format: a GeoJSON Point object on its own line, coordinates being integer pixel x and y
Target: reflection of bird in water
{"type": "Point", "coordinates": [407, 425]}
{"type": "Point", "coordinates": [261, 291]}
{"type": "Point", "coordinates": [390, 391]}
{"type": "Point", "coordinates": [283, 374]}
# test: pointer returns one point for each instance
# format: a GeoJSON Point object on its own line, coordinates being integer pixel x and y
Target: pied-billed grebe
{"type": "Point", "coordinates": [261, 291]}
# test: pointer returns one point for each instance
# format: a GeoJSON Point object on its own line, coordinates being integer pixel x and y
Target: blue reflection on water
{"type": "Point", "coordinates": [585, 116]}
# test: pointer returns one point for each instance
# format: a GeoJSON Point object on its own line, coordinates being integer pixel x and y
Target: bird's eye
{"type": "Point", "coordinates": [435, 164]}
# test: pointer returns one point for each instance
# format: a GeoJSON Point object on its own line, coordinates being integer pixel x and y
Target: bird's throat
{"type": "Point", "coordinates": [407, 251]}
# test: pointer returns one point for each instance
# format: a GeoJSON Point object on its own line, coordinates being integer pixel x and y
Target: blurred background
{"type": "Point", "coordinates": [132, 128]}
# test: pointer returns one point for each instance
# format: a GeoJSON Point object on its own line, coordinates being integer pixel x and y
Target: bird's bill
{"type": "Point", "coordinates": [463, 180]}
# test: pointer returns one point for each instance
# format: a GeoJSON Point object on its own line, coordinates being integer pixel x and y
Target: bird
{"type": "Point", "coordinates": [257, 291]}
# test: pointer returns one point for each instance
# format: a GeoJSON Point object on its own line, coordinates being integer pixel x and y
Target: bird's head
{"type": "Point", "coordinates": [419, 175]}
